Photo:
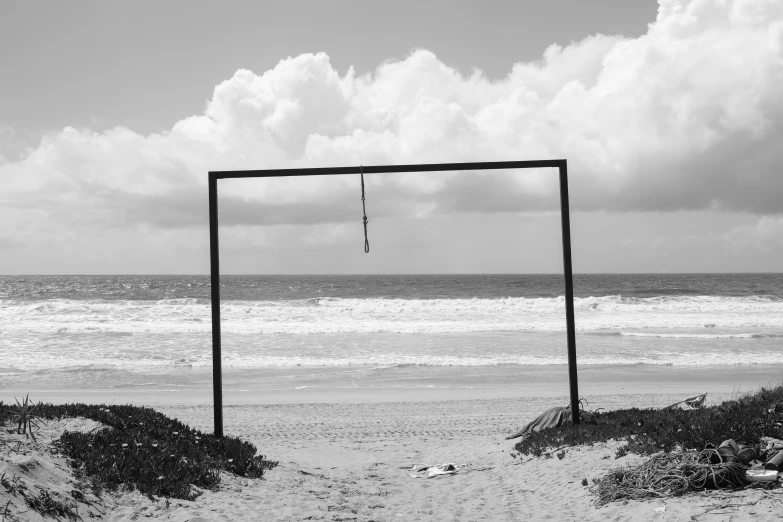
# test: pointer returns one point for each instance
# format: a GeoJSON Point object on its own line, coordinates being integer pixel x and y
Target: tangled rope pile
{"type": "Point", "coordinates": [669, 475]}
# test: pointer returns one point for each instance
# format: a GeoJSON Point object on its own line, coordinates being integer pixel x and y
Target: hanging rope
{"type": "Point", "coordinates": [364, 210]}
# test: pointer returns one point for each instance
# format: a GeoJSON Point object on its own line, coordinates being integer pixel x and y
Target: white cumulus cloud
{"type": "Point", "coordinates": [687, 116]}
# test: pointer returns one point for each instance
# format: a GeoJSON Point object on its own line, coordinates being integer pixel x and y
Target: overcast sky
{"type": "Point", "coordinates": [669, 114]}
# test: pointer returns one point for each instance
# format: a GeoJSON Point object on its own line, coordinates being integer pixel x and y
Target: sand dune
{"type": "Point", "coordinates": [352, 462]}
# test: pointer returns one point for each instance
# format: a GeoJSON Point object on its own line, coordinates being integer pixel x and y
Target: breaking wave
{"type": "Point", "coordinates": [337, 315]}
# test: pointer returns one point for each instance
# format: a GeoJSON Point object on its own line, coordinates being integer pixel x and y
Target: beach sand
{"type": "Point", "coordinates": [348, 462]}
{"type": "Point", "coordinates": [346, 457]}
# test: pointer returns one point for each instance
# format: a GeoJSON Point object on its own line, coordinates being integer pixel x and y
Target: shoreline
{"type": "Point", "coordinates": [313, 385]}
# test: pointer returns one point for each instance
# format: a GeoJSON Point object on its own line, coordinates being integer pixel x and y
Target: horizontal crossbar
{"type": "Point", "coordinates": [380, 169]}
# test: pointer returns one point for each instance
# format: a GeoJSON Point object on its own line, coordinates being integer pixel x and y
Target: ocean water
{"type": "Point", "coordinates": [83, 331]}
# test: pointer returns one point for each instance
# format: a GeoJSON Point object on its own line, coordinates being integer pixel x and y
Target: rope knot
{"type": "Point", "coordinates": [364, 211]}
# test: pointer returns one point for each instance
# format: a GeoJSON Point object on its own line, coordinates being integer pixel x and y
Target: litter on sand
{"type": "Point", "coordinates": [728, 466]}
{"type": "Point", "coordinates": [425, 471]}
{"type": "Point", "coordinates": [551, 418]}
{"type": "Point", "coordinates": [670, 474]}
{"type": "Point", "coordinates": [691, 403]}
{"type": "Point", "coordinates": [761, 475]}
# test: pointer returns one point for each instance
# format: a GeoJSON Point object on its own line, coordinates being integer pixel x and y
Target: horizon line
{"type": "Point", "coordinates": [206, 274]}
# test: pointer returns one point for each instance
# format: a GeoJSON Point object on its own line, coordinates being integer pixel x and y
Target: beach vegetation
{"type": "Point", "coordinates": [649, 431]}
{"type": "Point", "coordinates": [40, 502]}
{"type": "Point", "coordinates": [24, 415]}
{"type": "Point", "coordinates": [140, 448]}
{"type": "Point", "coordinates": [689, 450]}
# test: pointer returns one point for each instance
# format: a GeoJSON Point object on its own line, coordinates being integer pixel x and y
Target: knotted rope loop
{"type": "Point", "coordinates": [364, 211]}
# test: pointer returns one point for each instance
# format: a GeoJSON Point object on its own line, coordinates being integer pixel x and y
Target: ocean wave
{"type": "Point", "coordinates": [338, 315]}
{"type": "Point", "coordinates": [667, 335]}
{"type": "Point", "coordinates": [362, 363]}
{"type": "Point", "coordinates": [678, 335]}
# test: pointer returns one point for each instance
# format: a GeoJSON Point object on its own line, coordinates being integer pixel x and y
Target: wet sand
{"type": "Point", "coordinates": [372, 384]}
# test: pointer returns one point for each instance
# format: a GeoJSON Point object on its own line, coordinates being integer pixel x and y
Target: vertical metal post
{"type": "Point", "coordinates": [565, 220]}
{"type": "Point", "coordinates": [217, 374]}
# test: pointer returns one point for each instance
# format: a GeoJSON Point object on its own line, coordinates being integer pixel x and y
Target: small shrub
{"type": "Point", "coordinates": [650, 431]}
{"type": "Point", "coordinates": [145, 450]}
{"type": "Point", "coordinates": [621, 452]}
{"type": "Point", "coordinates": [23, 416]}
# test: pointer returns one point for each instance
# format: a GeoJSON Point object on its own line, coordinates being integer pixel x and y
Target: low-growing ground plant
{"type": "Point", "coordinates": [42, 502]}
{"type": "Point", "coordinates": [648, 431]}
{"type": "Point", "coordinates": [145, 450]}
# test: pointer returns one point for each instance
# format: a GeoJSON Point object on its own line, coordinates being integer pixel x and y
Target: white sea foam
{"type": "Point", "coordinates": [333, 315]}
{"type": "Point", "coordinates": [707, 337]}
{"type": "Point", "coordinates": [375, 362]}
{"type": "Point", "coordinates": [174, 335]}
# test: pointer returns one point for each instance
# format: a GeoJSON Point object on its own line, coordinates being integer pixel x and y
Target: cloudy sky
{"type": "Point", "coordinates": [669, 114]}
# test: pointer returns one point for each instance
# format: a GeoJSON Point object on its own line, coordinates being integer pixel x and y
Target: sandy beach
{"type": "Point", "coordinates": [348, 462]}
{"type": "Point", "coordinates": [391, 235]}
{"type": "Point", "coordinates": [349, 457]}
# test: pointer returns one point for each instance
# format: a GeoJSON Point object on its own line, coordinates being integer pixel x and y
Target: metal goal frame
{"type": "Point", "coordinates": [565, 220]}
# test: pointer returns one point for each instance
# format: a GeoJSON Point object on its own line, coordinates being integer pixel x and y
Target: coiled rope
{"type": "Point", "coordinates": [671, 474]}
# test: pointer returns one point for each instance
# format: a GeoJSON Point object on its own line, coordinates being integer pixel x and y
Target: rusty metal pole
{"type": "Point", "coordinates": [565, 220]}
{"type": "Point", "coordinates": [217, 374]}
